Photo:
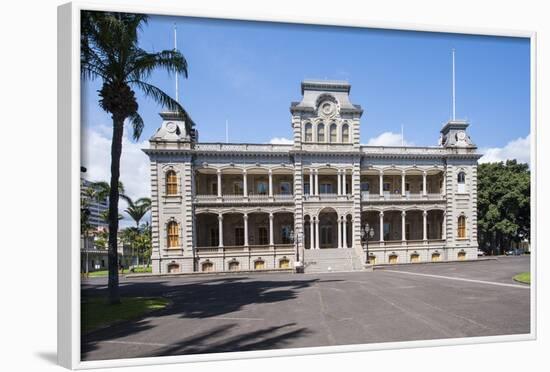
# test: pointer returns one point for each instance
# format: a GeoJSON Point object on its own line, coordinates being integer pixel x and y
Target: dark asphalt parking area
{"type": "Point", "coordinates": [271, 311]}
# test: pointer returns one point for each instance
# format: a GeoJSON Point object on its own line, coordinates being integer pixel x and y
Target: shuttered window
{"type": "Point", "coordinates": [171, 183]}
{"type": "Point", "coordinates": [173, 236]}
{"type": "Point", "coordinates": [461, 227]}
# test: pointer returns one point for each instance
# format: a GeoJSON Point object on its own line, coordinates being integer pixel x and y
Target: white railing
{"type": "Point", "coordinates": [365, 195]}
{"type": "Point", "coordinates": [237, 147]}
{"type": "Point", "coordinates": [328, 196]}
{"type": "Point", "coordinates": [283, 197]}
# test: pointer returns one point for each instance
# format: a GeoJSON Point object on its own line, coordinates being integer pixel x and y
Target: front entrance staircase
{"type": "Point", "coordinates": [331, 260]}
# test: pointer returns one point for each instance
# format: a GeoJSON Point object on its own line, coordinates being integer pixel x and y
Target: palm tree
{"type": "Point", "coordinates": [136, 210]}
{"type": "Point", "coordinates": [110, 52]}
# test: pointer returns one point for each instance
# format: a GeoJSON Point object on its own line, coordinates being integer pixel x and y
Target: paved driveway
{"type": "Point", "coordinates": [268, 311]}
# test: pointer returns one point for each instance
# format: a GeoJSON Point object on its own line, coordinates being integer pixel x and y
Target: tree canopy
{"type": "Point", "coordinates": [504, 204]}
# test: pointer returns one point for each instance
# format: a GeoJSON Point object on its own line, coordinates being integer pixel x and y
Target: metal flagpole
{"type": "Point", "coordinates": [175, 50]}
{"type": "Point", "coordinates": [454, 97]}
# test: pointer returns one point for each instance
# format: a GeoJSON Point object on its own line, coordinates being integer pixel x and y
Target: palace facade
{"type": "Point", "coordinates": [235, 207]}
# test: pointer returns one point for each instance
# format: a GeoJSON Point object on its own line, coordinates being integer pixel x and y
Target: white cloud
{"type": "Point", "coordinates": [281, 141]}
{"type": "Point", "coordinates": [134, 164]}
{"type": "Point", "coordinates": [519, 149]}
{"type": "Point", "coordinates": [388, 139]}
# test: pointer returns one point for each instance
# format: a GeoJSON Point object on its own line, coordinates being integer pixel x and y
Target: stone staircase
{"type": "Point", "coordinates": [331, 260]}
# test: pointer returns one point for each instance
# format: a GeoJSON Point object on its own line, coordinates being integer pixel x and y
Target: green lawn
{"type": "Point", "coordinates": [523, 278]}
{"type": "Point", "coordinates": [97, 313]}
{"type": "Point", "coordinates": [102, 273]}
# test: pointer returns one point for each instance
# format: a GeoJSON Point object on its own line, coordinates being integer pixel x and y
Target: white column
{"type": "Point", "coordinates": [220, 229]}
{"type": "Point", "coordinates": [425, 225]}
{"type": "Point", "coordinates": [424, 191]}
{"type": "Point", "coordinates": [245, 184]}
{"type": "Point", "coordinates": [403, 183]}
{"type": "Point", "coordinates": [245, 218]}
{"type": "Point", "coordinates": [271, 229]}
{"type": "Point", "coordinates": [317, 245]}
{"type": "Point", "coordinates": [311, 183]}
{"type": "Point", "coordinates": [311, 233]}
{"type": "Point", "coordinates": [403, 224]}
{"type": "Point", "coordinates": [381, 226]}
{"type": "Point", "coordinates": [345, 237]}
{"type": "Point", "coordinates": [444, 186]}
{"type": "Point", "coordinates": [344, 187]}
{"type": "Point", "coordinates": [381, 176]}
{"type": "Point", "coordinates": [219, 183]}
{"type": "Point", "coordinates": [316, 182]}
{"type": "Point", "coordinates": [270, 183]}
{"type": "Point", "coordinates": [339, 183]}
{"type": "Point", "coordinates": [339, 229]}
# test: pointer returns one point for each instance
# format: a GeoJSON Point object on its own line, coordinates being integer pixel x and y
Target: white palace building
{"type": "Point", "coordinates": [244, 207]}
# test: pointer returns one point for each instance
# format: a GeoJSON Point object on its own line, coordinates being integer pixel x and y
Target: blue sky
{"type": "Point", "coordinates": [249, 72]}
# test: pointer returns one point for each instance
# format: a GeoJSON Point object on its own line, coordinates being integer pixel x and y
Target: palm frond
{"type": "Point", "coordinates": [137, 125]}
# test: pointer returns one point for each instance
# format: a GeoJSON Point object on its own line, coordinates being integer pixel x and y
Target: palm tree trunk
{"type": "Point", "coordinates": [116, 152]}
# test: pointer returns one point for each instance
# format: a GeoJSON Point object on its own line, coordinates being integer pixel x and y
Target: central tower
{"type": "Point", "coordinates": [325, 115]}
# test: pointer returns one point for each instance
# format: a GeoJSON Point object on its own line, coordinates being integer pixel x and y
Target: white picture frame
{"type": "Point", "coordinates": [69, 192]}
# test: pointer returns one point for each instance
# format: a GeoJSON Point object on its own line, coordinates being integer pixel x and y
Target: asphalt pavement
{"type": "Point", "coordinates": [281, 310]}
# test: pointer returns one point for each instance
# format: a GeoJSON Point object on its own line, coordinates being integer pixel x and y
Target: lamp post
{"type": "Point", "coordinates": [366, 234]}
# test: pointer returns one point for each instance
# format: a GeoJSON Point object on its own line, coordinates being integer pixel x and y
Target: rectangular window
{"type": "Point", "coordinates": [285, 234]}
{"type": "Point", "coordinates": [239, 236]}
{"type": "Point", "coordinates": [238, 188]}
{"type": "Point", "coordinates": [306, 188]}
{"type": "Point", "coordinates": [261, 188]}
{"type": "Point", "coordinates": [214, 188]}
{"type": "Point", "coordinates": [284, 188]}
{"type": "Point", "coordinates": [386, 186]}
{"type": "Point", "coordinates": [325, 188]}
{"type": "Point", "coordinates": [386, 231]}
{"type": "Point", "coordinates": [214, 237]}
{"type": "Point", "coordinates": [365, 186]}
{"type": "Point", "coordinates": [408, 231]}
{"type": "Point", "coordinates": [407, 186]}
{"type": "Point", "coordinates": [262, 236]}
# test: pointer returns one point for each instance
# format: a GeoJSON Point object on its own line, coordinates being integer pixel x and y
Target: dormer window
{"type": "Point", "coordinates": [321, 133]}
{"type": "Point", "coordinates": [308, 133]}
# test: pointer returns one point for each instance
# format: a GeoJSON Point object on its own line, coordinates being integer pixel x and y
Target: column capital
{"type": "Point", "coordinates": [381, 214]}
{"type": "Point", "coordinates": [270, 171]}
{"type": "Point", "coordinates": [244, 171]}
{"type": "Point", "coordinates": [270, 215]}
{"type": "Point", "coordinates": [425, 213]}
{"type": "Point", "coordinates": [218, 171]}
{"type": "Point", "coordinates": [245, 216]}
{"type": "Point", "coordinates": [403, 172]}
{"type": "Point", "coordinates": [424, 173]}
{"type": "Point", "coordinates": [403, 213]}
{"type": "Point", "coordinates": [220, 216]}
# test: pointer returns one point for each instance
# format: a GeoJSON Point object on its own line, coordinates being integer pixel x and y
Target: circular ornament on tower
{"type": "Point", "coordinates": [171, 127]}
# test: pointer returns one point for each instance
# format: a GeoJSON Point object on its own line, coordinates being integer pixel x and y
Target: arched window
{"type": "Point", "coordinates": [415, 257]}
{"type": "Point", "coordinates": [436, 257]}
{"type": "Point", "coordinates": [333, 134]}
{"type": "Point", "coordinates": [461, 256]}
{"type": "Point", "coordinates": [393, 259]}
{"type": "Point", "coordinates": [309, 133]}
{"type": "Point", "coordinates": [284, 264]}
{"type": "Point", "coordinates": [320, 133]}
{"type": "Point", "coordinates": [207, 266]}
{"type": "Point", "coordinates": [173, 235]}
{"type": "Point", "coordinates": [234, 266]}
{"type": "Point", "coordinates": [461, 179]}
{"type": "Point", "coordinates": [461, 227]}
{"type": "Point", "coordinates": [173, 268]}
{"type": "Point", "coordinates": [345, 133]}
{"type": "Point", "coordinates": [171, 183]}
{"type": "Point", "coordinates": [259, 265]}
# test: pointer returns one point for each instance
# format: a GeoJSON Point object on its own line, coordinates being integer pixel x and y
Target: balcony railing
{"type": "Point", "coordinates": [365, 195]}
{"type": "Point", "coordinates": [281, 248]}
{"type": "Point", "coordinates": [239, 198]}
